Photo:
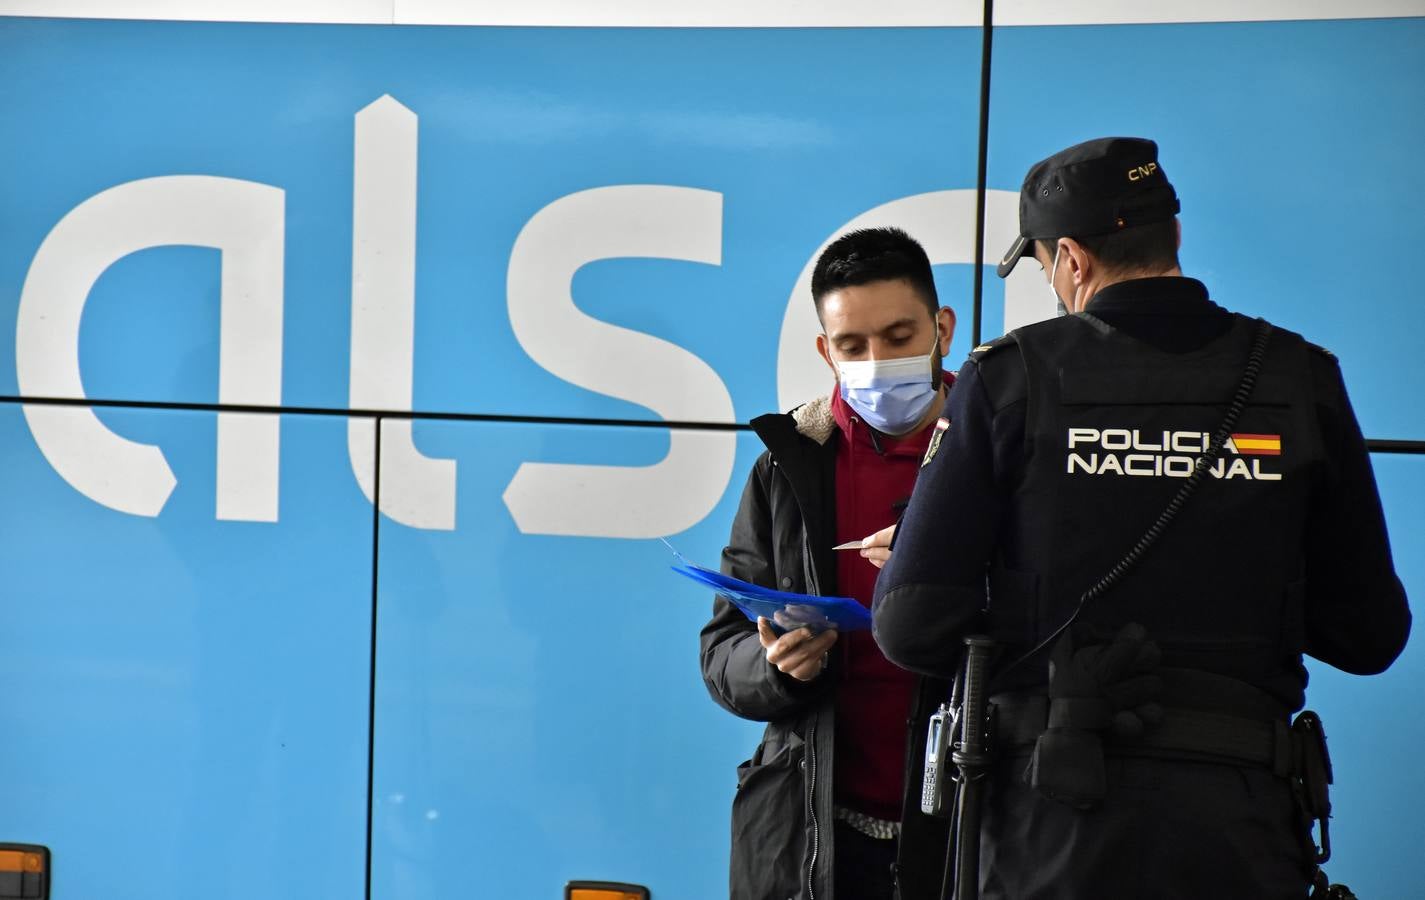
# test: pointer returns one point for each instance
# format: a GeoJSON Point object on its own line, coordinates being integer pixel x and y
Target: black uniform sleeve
{"type": "Point", "coordinates": [734, 665]}
{"type": "Point", "coordinates": [932, 591]}
{"type": "Point", "coordinates": [1357, 617]}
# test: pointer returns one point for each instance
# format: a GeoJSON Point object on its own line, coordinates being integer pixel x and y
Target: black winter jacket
{"type": "Point", "coordinates": [782, 813]}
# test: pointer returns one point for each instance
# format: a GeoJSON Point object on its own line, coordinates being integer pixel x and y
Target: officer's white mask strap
{"type": "Point", "coordinates": [1054, 270]}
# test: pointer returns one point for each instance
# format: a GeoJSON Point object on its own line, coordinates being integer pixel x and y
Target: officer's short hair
{"type": "Point", "coordinates": [1141, 248]}
{"type": "Point", "coordinates": [873, 254]}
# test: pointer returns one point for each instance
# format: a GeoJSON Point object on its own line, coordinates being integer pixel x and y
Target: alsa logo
{"type": "Point", "coordinates": [1168, 454]}
{"type": "Point", "coordinates": [1138, 173]}
{"type": "Point", "coordinates": [247, 222]}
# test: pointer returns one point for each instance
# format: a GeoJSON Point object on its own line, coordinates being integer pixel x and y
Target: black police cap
{"type": "Point", "coordinates": [1097, 187]}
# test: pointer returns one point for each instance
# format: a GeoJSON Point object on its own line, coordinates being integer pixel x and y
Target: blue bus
{"type": "Point", "coordinates": [357, 355]}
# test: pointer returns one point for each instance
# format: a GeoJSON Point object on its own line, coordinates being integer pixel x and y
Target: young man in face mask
{"type": "Point", "coordinates": [828, 800]}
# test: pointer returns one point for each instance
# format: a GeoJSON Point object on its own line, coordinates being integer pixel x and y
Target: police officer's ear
{"type": "Point", "coordinates": [1178, 223]}
{"type": "Point", "coordinates": [1080, 263]}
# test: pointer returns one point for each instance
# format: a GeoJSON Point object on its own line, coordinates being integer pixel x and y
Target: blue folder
{"type": "Point", "coordinates": [785, 610]}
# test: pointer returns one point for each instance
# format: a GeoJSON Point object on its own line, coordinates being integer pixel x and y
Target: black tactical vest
{"type": "Point", "coordinates": [1113, 426]}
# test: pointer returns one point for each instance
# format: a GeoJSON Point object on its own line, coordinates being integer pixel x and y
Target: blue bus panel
{"type": "Point", "coordinates": [540, 715]}
{"type": "Point", "coordinates": [187, 698]}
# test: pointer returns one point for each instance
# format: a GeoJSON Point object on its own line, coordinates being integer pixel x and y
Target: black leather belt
{"type": "Point", "coordinates": [1206, 716]}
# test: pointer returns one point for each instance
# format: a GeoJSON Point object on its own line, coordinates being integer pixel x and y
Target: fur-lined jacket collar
{"type": "Point", "coordinates": [814, 419]}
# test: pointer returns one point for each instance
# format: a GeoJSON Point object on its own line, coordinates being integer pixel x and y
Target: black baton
{"type": "Point", "coordinates": [971, 756]}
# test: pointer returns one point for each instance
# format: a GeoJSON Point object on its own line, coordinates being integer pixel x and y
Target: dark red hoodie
{"type": "Point", "coordinates": [874, 475]}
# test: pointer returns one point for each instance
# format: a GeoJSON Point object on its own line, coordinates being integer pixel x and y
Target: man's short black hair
{"type": "Point", "coordinates": [1140, 248]}
{"type": "Point", "coordinates": [873, 254]}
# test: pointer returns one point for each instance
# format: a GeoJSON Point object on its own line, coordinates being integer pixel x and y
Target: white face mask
{"type": "Point", "coordinates": [1063, 309]}
{"type": "Point", "coordinates": [890, 395]}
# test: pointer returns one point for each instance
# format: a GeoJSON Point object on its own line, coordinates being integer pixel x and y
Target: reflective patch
{"type": "Point", "coordinates": [1170, 454]}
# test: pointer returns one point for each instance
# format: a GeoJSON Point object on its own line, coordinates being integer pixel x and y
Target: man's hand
{"type": "Point", "coordinates": [796, 653]}
{"type": "Point", "coordinates": [877, 547]}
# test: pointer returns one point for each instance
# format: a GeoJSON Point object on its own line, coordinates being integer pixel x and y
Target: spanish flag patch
{"type": "Point", "coordinates": [1256, 444]}
{"type": "Point", "coordinates": [940, 427]}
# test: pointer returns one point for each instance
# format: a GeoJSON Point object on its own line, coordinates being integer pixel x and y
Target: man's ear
{"type": "Point", "coordinates": [825, 350]}
{"type": "Point", "coordinates": [1179, 223]}
{"type": "Point", "coordinates": [945, 324]}
{"type": "Point", "coordinates": [1080, 263]}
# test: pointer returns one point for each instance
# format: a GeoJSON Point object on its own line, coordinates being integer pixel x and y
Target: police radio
{"type": "Point", "coordinates": [937, 750]}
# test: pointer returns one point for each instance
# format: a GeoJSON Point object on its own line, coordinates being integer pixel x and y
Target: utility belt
{"type": "Point", "coordinates": [1184, 734]}
{"type": "Point", "coordinates": [1100, 709]}
{"type": "Point", "coordinates": [1205, 717]}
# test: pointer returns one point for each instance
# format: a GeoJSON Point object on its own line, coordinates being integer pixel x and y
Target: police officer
{"type": "Point", "coordinates": [1143, 751]}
